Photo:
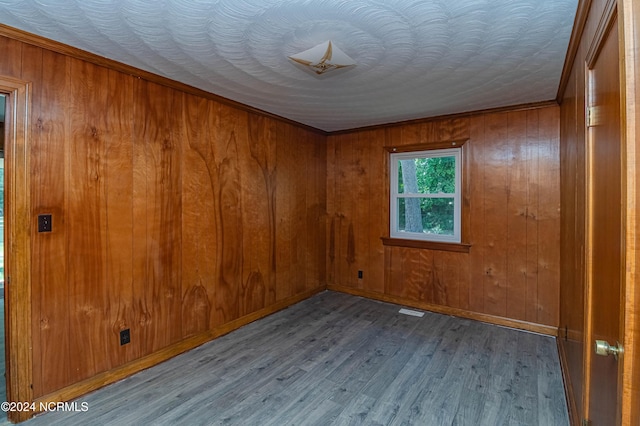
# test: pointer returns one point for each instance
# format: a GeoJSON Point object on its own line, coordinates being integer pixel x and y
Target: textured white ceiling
{"type": "Point", "coordinates": [415, 58]}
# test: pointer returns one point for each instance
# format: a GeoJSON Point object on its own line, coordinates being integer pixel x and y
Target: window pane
{"type": "Point", "coordinates": [427, 175]}
{"type": "Point", "coordinates": [426, 215]}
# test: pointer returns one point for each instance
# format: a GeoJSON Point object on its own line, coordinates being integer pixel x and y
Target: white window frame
{"type": "Point", "coordinates": [394, 196]}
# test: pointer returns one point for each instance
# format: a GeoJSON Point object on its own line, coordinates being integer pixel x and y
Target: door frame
{"type": "Point", "coordinates": [629, 33]}
{"type": "Point", "coordinates": [18, 331]}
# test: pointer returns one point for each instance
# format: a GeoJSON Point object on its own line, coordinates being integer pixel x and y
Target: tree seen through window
{"type": "Point", "coordinates": [434, 179]}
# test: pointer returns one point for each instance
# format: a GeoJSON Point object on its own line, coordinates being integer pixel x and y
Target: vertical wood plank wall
{"type": "Point", "coordinates": [513, 268]}
{"type": "Point", "coordinates": [172, 214]}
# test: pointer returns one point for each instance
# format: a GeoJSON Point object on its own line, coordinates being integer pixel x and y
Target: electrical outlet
{"type": "Point", "coordinates": [125, 337]}
{"type": "Point", "coordinates": [44, 223]}
{"type": "Point", "coordinates": [359, 275]}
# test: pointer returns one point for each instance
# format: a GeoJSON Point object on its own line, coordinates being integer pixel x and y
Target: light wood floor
{"type": "Point", "coordinates": [339, 359]}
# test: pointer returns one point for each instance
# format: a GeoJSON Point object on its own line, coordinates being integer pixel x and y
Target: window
{"type": "Point", "coordinates": [425, 195]}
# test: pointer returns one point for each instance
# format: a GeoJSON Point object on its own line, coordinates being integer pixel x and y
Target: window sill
{"type": "Point", "coordinates": [430, 245]}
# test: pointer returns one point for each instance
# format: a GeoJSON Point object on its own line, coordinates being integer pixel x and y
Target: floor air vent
{"type": "Point", "coordinates": [412, 313]}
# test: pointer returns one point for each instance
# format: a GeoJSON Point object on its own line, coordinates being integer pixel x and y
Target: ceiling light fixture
{"type": "Point", "coordinates": [323, 58]}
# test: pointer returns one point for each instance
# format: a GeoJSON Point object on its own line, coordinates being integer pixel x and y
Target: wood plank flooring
{"type": "Point", "coordinates": [343, 360]}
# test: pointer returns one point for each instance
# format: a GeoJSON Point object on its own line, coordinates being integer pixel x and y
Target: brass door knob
{"type": "Point", "coordinates": [604, 348]}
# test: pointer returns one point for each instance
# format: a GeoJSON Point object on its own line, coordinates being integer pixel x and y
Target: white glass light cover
{"type": "Point", "coordinates": [323, 58]}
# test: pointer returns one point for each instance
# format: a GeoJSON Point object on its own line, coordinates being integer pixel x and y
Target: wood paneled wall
{"type": "Point", "coordinates": [172, 214]}
{"type": "Point", "coordinates": [513, 267]}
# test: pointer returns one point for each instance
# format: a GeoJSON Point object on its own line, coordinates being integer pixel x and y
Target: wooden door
{"type": "Point", "coordinates": [604, 227]}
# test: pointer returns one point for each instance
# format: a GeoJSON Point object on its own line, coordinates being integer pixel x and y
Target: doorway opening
{"type": "Point", "coordinates": [17, 223]}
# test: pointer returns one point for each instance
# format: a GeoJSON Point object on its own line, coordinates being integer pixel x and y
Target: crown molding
{"type": "Point", "coordinates": [55, 46]}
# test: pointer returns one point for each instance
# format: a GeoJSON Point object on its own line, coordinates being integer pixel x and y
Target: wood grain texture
{"type": "Point", "coordinates": [339, 359]}
{"type": "Point", "coordinates": [118, 216]}
{"type": "Point", "coordinates": [517, 215]}
{"type": "Point", "coordinates": [123, 371]}
{"type": "Point", "coordinates": [360, 188]}
{"type": "Point", "coordinates": [228, 128]}
{"type": "Point", "coordinates": [11, 65]}
{"type": "Point", "coordinates": [285, 182]}
{"type": "Point", "coordinates": [198, 187]}
{"type": "Point", "coordinates": [533, 193]}
{"type": "Point", "coordinates": [605, 265]}
{"type": "Point", "coordinates": [50, 287]}
{"type": "Point", "coordinates": [331, 218]}
{"type": "Point", "coordinates": [496, 200]}
{"type": "Point", "coordinates": [315, 226]}
{"type": "Point", "coordinates": [262, 140]}
{"type": "Point", "coordinates": [85, 206]}
{"type": "Point", "coordinates": [299, 236]}
{"type": "Point", "coordinates": [548, 218]}
{"type": "Point", "coordinates": [173, 215]}
{"type": "Point", "coordinates": [572, 238]}
{"type": "Point", "coordinates": [630, 35]}
{"type": "Point", "coordinates": [475, 172]}
{"type": "Point", "coordinates": [511, 158]}
{"type": "Point", "coordinates": [573, 205]}
{"type": "Point", "coordinates": [345, 237]}
{"type": "Point", "coordinates": [18, 226]}
{"type": "Point", "coordinates": [378, 216]}
{"type": "Point", "coordinates": [157, 213]}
